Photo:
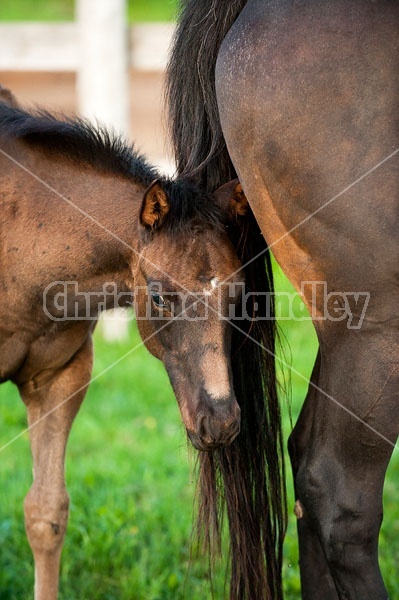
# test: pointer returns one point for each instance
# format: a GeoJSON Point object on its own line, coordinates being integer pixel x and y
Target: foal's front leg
{"type": "Point", "coordinates": [52, 407]}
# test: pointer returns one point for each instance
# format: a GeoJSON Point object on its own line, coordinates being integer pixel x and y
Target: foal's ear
{"type": "Point", "coordinates": [8, 97]}
{"type": "Point", "coordinates": [231, 198]}
{"type": "Point", "coordinates": [155, 206]}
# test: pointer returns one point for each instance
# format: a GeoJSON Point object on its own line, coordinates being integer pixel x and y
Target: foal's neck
{"type": "Point", "coordinates": [107, 207]}
{"type": "Point", "coordinates": [91, 216]}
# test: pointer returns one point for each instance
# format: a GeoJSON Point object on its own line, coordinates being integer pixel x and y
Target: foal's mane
{"type": "Point", "coordinates": [78, 140]}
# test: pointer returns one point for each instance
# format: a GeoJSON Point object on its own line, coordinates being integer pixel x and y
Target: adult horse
{"type": "Point", "coordinates": [300, 99]}
{"type": "Point", "coordinates": [86, 224]}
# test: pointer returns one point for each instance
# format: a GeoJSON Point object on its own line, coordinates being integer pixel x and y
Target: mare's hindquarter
{"type": "Point", "coordinates": [308, 99]}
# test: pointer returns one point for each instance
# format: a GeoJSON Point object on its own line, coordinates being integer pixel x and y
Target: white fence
{"type": "Point", "coordinates": [55, 46]}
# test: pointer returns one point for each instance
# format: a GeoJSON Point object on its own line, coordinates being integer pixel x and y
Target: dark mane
{"type": "Point", "coordinates": [78, 140]}
{"type": "Point", "coordinates": [190, 208]}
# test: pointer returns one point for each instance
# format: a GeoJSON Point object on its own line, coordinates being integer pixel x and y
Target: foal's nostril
{"type": "Point", "coordinates": [219, 430]}
{"type": "Point", "coordinates": [232, 429]}
{"type": "Point", "coordinates": [204, 430]}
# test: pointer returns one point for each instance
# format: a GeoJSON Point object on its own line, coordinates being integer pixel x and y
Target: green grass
{"type": "Point", "coordinates": [63, 10]}
{"type": "Point", "coordinates": [131, 487]}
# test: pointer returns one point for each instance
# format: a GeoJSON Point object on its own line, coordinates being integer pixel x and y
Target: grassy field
{"type": "Point", "coordinates": [63, 10]}
{"type": "Point", "coordinates": [130, 477]}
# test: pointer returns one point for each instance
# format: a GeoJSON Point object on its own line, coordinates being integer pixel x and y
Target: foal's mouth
{"type": "Point", "coordinates": [207, 441]}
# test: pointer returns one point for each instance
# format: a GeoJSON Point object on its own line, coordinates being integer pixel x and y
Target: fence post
{"type": "Point", "coordinates": [103, 86]}
{"type": "Point", "coordinates": [103, 75]}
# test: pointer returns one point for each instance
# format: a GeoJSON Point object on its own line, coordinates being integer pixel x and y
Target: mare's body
{"type": "Point", "coordinates": [307, 96]}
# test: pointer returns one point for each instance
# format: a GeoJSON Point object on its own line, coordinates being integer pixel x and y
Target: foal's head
{"type": "Point", "coordinates": [187, 281]}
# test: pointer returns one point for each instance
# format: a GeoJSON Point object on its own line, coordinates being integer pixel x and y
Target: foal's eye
{"type": "Point", "coordinates": [159, 300]}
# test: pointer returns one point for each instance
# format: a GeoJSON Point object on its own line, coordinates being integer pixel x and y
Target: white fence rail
{"type": "Point", "coordinates": [55, 46]}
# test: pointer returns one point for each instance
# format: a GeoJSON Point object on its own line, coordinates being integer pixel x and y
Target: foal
{"type": "Point", "coordinates": [79, 210]}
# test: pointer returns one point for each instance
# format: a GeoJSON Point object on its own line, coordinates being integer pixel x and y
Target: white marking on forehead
{"type": "Point", "coordinates": [214, 284]}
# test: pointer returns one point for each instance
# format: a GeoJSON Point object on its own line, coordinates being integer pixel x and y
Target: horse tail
{"type": "Point", "coordinates": [195, 129]}
{"type": "Point", "coordinates": [247, 478]}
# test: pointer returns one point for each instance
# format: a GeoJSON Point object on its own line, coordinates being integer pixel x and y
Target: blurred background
{"type": "Point", "coordinates": [99, 58]}
{"type": "Point", "coordinates": [130, 473]}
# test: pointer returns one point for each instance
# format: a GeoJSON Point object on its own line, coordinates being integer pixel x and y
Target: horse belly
{"type": "Point", "coordinates": [307, 96]}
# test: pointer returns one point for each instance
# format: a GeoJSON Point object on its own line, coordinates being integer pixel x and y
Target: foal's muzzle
{"type": "Point", "coordinates": [217, 424]}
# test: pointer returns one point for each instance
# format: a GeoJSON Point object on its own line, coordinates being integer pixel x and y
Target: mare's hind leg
{"type": "Point", "coordinates": [316, 580]}
{"type": "Point", "coordinates": [52, 406]}
{"type": "Point", "coordinates": [340, 477]}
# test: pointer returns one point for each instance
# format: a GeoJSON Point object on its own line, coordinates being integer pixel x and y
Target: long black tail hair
{"type": "Point", "coordinates": [247, 478]}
